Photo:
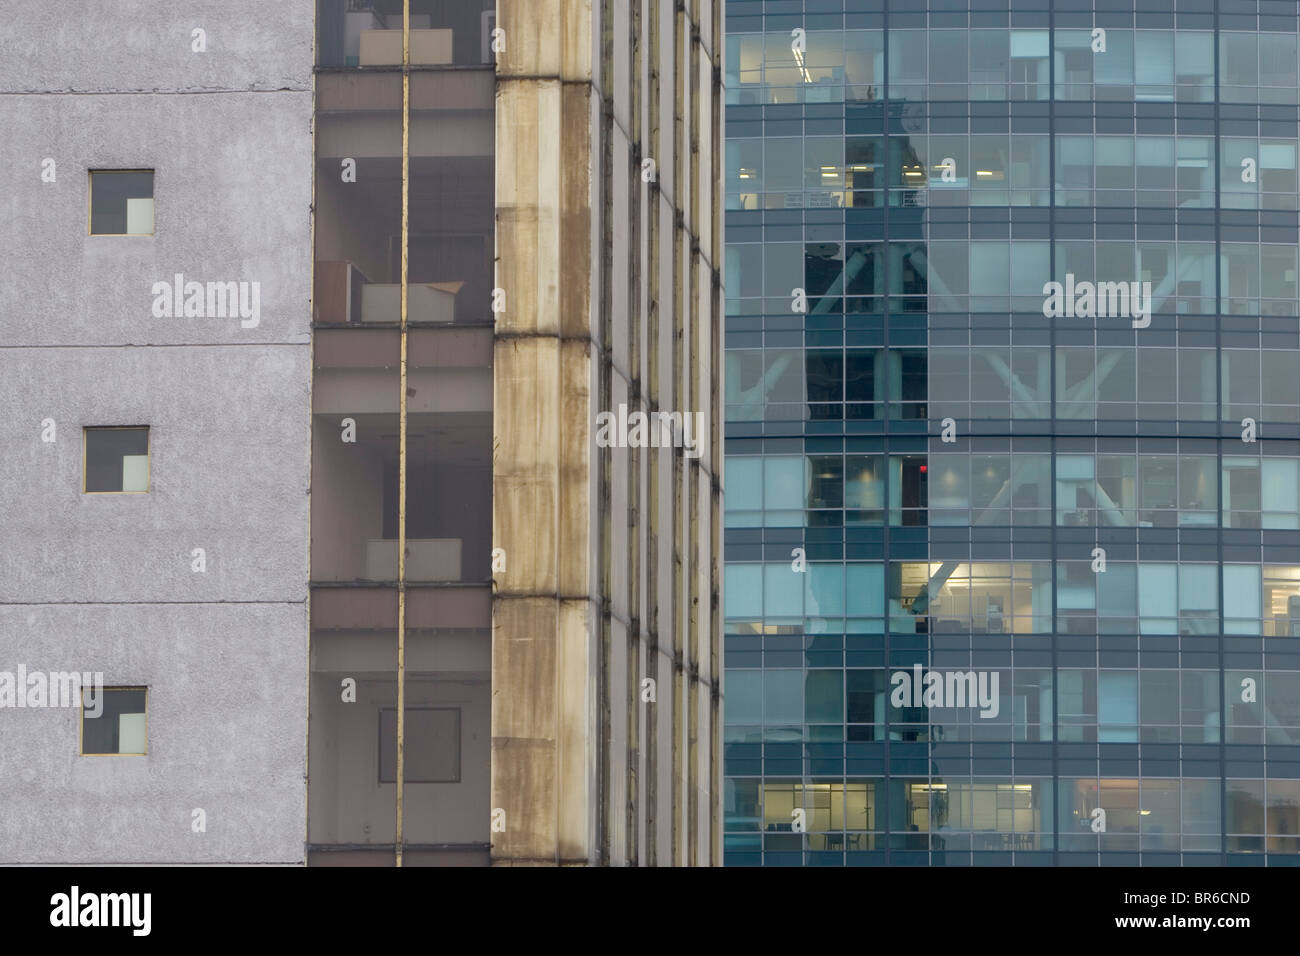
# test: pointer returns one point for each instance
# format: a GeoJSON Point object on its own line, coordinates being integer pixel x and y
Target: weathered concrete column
{"type": "Point", "coordinates": [612, 297]}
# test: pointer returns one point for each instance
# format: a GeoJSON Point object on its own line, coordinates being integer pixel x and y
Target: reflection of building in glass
{"type": "Point", "coordinates": [919, 175]}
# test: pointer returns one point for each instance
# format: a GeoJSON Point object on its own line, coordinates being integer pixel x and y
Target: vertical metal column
{"type": "Point", "coordinates": [401, 432]}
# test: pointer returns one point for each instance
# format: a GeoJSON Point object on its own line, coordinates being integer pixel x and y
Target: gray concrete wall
{"type": "Point", "coordinates": [227, 700]}
{"type": "Point", "coordinates": [104, 582]}
{"type": "Point", "coordinates": [71, 45]}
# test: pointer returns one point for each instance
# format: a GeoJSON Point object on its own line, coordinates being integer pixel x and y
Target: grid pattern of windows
{"type": "Point", "coordinates": [1082, 520]}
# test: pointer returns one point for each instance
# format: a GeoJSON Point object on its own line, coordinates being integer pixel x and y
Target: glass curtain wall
{"type": "Point", "coordinates": [934, 470]}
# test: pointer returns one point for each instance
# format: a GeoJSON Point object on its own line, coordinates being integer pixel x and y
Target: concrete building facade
{"type": "Point", "coordinates": [106, 582]}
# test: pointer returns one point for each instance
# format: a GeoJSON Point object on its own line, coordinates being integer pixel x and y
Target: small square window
{"type": "Point", "coordinates": [121, 202]}
{"type": "Point", "coordinates": [432, 751]}
{"type": "Point", "coordinates": [117, 459]}
{"type": "Point", "coordinates": [114, 720]}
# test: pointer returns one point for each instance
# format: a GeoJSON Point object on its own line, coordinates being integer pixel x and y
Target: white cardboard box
{"type": "Point", "coordinates": [384, 47]}
{"type": "Point", "coordinates": [425, 302]}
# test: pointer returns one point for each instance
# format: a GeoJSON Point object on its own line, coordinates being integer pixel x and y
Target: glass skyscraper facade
{"type": "Point", "coordinates": [1076, 522]}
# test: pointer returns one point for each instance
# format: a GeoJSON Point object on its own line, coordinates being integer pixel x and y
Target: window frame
{"type": "Point", "coordinates": [85, 460]}
{"type": "Point", "coordinates": [379, 738]}
{"type": "Point", "coordinates": [90, 204]}
{"type": "Point", "coordinates": [81, 723]}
